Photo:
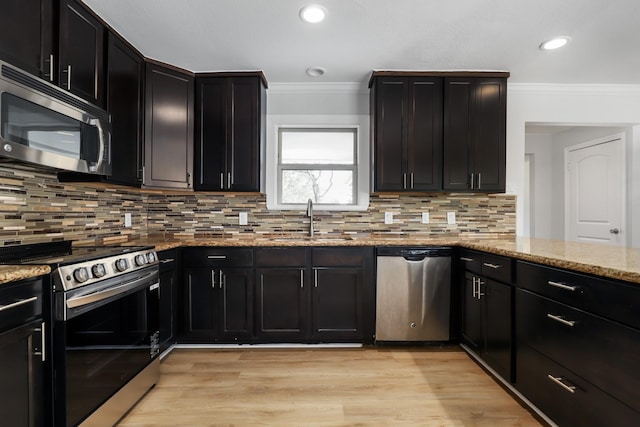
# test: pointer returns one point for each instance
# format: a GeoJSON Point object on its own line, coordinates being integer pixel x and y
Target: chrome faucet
{"type": "Point", "coordinates": [310, 215]}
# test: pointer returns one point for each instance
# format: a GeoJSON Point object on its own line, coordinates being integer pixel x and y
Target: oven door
{"type": "Point", "coordinates": [102, 338]}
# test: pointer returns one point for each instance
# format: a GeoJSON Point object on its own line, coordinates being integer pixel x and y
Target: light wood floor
{"type": "Point", "coordinates": [325, 387]}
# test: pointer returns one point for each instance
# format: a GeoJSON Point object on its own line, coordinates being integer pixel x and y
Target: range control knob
{"type": "Point", "coordinates": [122, 264]}
{"type": "Point", "coordinates": [81, 274]}
{"type": "Point", "coordinates": [140, 260]}
{"type": "Point", "coordinates": [98, 270]}
{"type": "Point", "coordinates": [152, 257]}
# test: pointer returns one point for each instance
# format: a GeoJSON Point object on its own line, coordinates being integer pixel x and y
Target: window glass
{"type": "Point", "coordinates": [317, 164]}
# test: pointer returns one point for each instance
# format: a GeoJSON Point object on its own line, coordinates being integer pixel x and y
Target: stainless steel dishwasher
{"type": "Point", "coordinates": [413, 298]}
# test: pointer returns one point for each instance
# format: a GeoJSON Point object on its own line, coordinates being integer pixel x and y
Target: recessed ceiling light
{"type": "Point", "coordinates": [316, 71]}
{"type": "Point", "coordinates": [313, 13]}
{"type": "Point", "coordinates": [555, 43]}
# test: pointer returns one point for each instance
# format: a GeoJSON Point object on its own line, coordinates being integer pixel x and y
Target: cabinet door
{"type": "Point", "coordinates": [458, 98]}
{"type": "Point", "coordinates": [168, 307]}
{"type": "Point", "coordinates": [488, 152]}
{"type": "Point", "coordinates": [389, 99]}
{"type": "Point", "coordinates": [471, 331]}
{"type": "Point", "coordinates": [236, 304]}
{"type": "Point", "coordinates": [211, 139]}
{"type": "Point", "coordinates": [26, 33]}
{"type": "Point", "coordinates": [497, 353]}
{"type": "Point", "coordinates": [424, 136]}
{"type": "Point", "coordinates": [21, 385]}
{"type": "Point", "coordinates": [125, 74]}
{"type": "Point", "coordinates": [243, 144]}
{"type": "Point", "coordinates": [282, 304]}
{"type": "Point", "coordinates": [474, 134]}
{"type": "Point", "coordinates": [168, 137]}
{"type": "Point", "coordinates": [337, 304]}
{"type": "Point", "coordinates": [81, 52]}
{"type": "Point", "coordinates": [201, 311]}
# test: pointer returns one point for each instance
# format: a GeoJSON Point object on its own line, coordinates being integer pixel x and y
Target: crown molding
{"type": "Point", "coordinates": [318, 88]}
{"type": "Point", "coordinates": [573, 89]}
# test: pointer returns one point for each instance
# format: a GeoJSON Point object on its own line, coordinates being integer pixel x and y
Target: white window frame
{"type": "Point", "coordinates": [361, 126]}
{"type": "Point", "coordinates": [353, 167]}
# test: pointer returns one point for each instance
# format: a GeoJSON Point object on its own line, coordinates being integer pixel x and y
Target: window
{"type": "Point", "coordinates": [319, 164]}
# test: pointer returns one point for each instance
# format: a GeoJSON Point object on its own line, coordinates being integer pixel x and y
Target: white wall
{"type": "Point", "coordinates": [603, 105]}
{"type": "Point", "coordinates": [541, 182]}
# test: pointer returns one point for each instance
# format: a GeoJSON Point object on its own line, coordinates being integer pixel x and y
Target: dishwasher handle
{"type": "Point", "coordinates": [414, 257]}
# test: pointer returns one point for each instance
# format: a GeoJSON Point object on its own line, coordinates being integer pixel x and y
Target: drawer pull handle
{"type": "Point", "coordinates": [166, 261]}
{"type": "Point", "coordinates": [562, 286]}
{"type": "Point", "coordinates": [496, 266]}
{"type": "Point", "coordinates": [217, 256]}
{"type": "Point", "coordinates": [17, 304]}
{"type": "Point", "coordinates": [571, 323]}
{"type": "Point", "coordinates": [464, 258]}
{"type": "Point", "coordinates": [558, 380]}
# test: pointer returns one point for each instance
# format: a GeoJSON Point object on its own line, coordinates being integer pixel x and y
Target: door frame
{"type": "Point", "coordinates": [623, 167]}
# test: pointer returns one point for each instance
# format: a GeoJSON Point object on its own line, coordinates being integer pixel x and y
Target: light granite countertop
{"type": "Point", "coordinates": [606, 261]}
{"type": "Point", "coordinates": [13, 273]}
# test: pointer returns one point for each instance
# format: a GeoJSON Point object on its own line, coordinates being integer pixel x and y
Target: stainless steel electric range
{"type": "Point", "coordinates": [103, 321]}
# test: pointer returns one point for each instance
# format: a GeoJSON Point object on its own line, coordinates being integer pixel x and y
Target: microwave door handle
{"type": "Point", "coordinates": [98, 125]}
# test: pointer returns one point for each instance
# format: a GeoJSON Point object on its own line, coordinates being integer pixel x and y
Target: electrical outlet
{"type": "Point", "coordinates": [127, 220]}
{"type": "Point", "coordinates": [243, 218]}
{"type": "Point", "coordinates": [425, 217]}
{"type": "Point", "coordinates": [451, 218]}
{"type": "Point", "coordinates": [388, 217]}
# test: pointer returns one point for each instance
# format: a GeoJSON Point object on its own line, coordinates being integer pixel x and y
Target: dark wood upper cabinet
{"type": "Point", "coordinates": [168, 160]}
{"type": "Point", "coordinates": [407, 137]}
{"type": "Point", "coordinates": [230, 131]}
{"type": "Point", "coordinates": [125, 78]}
{"type": "Point", "coordinates": [81, 52]}
{"type": "Point", "coordinates": [475, 134]}
{"type": "Point", "coordinates": [26, 35]}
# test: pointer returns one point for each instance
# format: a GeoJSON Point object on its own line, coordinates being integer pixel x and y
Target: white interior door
{"type": "Point", "coordinates": [595, 201]}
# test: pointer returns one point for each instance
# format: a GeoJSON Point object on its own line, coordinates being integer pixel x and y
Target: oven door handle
{"type": "Point", "coordinates": [110, 292]}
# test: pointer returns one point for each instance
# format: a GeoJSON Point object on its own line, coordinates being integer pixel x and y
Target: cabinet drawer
{"type": "Point", "coordinates": [281, 257]}
{"type": "Point", "coordinates": [168, 259]}
{"type": "Point", "coordinates": [603, 352]}
{"type": "Point", "coordinates": [218, 257]}
{"type": "Point", "coordinates": [20, 302]}
{"type": "Point", "coordinates": [496, 267]}
{"type": "Point", "coordinates": [471, 260]}
{"type": "Point", "coordinates": [337, 257]}
{"type": "Point", "coordinates": [565, 397]}
{"type": "Point", "coordinates": [608, 298]}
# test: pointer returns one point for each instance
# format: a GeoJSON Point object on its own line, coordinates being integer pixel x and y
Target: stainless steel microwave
{"type": "Point", "coordinates": [45, 125]}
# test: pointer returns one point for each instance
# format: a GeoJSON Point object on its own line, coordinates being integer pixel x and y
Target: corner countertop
{"type": "Point", "coordinates": [605, 261]}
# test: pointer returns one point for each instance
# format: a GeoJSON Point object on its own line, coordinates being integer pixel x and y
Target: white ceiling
{"type": "Point", "coordinates": [361, 35]}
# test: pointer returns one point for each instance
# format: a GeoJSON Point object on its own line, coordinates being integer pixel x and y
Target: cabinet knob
{"type": "Point", "coordinates": [614, 231]}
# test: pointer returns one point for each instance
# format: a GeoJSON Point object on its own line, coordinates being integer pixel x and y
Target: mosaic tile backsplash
{"type": "Point", "coordinates": [37, 208]}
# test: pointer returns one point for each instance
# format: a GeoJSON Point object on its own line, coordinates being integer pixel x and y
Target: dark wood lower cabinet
{"type": "Point", "coordinates": [282, 304]}
{"type": "Point", "coordinates": [497, 327]}
{"type": "Point", "coordinates": [235, 297]}
{"type": "Point", "coordinates": [337, 304]}
{"type": "Point", "coordinates": [471, 328]}
{"type": "Point", "coordinates": [278, 294]}
{"type": "Point", "coordinates": [486, 322]}
{"type": "Point", "coordinates": [218, 305]}
{"type": "Point", "coordinates": [169, 294]}
{"type": "Point", "coordinates": [565, 397]}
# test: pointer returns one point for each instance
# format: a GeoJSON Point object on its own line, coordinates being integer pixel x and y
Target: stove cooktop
{"type": "Point", "coordinates": [74, 267]}
{"type": "Point", "coordinates": [61, 253]}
